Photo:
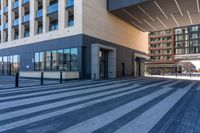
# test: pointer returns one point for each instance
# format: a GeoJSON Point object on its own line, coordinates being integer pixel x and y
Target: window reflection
{"type": "Point", "coordinates": [57, 60]}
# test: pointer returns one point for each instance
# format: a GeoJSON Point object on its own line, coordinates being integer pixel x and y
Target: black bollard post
{"type": "Point", "coordinates": [42, 78]}
{"type": "Point", "coordinates": [17, 80]}
{"type": "Point", "coordinates": [61, 77]}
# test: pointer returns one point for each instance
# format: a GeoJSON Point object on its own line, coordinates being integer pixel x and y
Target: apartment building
{"type": "Point", "coordinates": [187, 42]}
{"type": "Point", "coordinates": [79, 37]}
{"type": "Point", "coordinates": [183, 45]}
{"type": "Point", "coordinates": [161, 51]}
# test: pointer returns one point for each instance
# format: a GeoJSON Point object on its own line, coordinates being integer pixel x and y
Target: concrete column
{"type": "Point", "coordinates": [95, 62]}
{"type": "Point", "coordinates": [32, 17]}
{"type": "Point", "coordinates": [20, 19]}
{"type": "Point", "coordinates": [10, 19]}
{"type": "Point", "coordinates": [61, 14]}
{"type": "Point", "coordinates": [45, 26]}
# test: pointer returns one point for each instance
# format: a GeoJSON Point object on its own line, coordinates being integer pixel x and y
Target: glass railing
{"type": "Point", "coordinates": [16, 22]}
{"type": "Point", "coordinates": [5, 10]}
{"type": "Point", "coordinates": [70, 3]}
{"type": "Point", "coordinates": [25, 1]}
{"type": "Point", "coordinates": [5, 26]}
{"type": "Point", "coordinates": [16, 4]}
{"type": "Point", "coordinates": [26, 18]}
{"type": "Point", "coordinates": [39, 13]}
{"type": "Point", "coordinates": [53, 8]}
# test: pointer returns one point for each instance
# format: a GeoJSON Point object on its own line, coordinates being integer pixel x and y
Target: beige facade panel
{"type": "Point", "coordinates": [100, 23]}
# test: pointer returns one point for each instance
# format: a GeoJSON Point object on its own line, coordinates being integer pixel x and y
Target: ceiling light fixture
{"type": "Point", "coordinates": [138, 26]}
{"type": "Point", "coordinates": [198, 8]}
{"type": "Point", "coordinates": [161, 9]}
{"type": "Point", "coordinates": [162, 22]}
{"type": "Point", "coordinates": [189, 17]}
{"type": "Point", "coordinates": [150, 25]}
{"type": "Point", "coordinates": [175, 20]}
{"type": "Point", "coordinates": [145, 12]}
{"type": "Point", "coordinates": [129, 14]}
{"type": "Point", "coordinates": [178, 7]}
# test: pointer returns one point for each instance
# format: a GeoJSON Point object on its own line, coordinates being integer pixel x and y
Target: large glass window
{"type": "Point", "coordinates": [39, 61]}
{"type": "Point", "coordinates": [66, 59]}
{"type": "Point", "coordinates": [74, 59]}
{"type": "Point", "coordinates": [57, 60]}
{"type": "Point", "coordinates": [60, 59]}
{"type": "Point", "coordinates": [54, 60]}
{"type": "Point", "coordinates": [48, 60]}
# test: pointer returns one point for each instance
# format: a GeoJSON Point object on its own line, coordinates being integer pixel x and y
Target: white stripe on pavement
{"type": "Point", "coordinates": [60, 103]}
{"type": "Point", "coordinates": [154, 114]}
{"type": "Point", "coordinates": [97, 122]}
{"type": "Point", "coordinates": [60, 112]}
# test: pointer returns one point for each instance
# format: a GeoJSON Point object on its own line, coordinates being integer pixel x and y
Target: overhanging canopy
{"type": "Point", "coordinates": [155, 15]}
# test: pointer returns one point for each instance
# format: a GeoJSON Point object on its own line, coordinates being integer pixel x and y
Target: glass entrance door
{"type": "Point", "coordinates": [103, 62]}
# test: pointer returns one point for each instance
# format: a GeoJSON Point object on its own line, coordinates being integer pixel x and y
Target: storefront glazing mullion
{"type": "Point", "coordinates": [58, 60]}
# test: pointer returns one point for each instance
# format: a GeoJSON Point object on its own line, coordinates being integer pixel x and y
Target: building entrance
{"type": "Point", "coordinates": [103, 63]}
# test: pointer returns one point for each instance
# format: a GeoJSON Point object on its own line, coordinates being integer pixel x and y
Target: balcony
{"type": "Point", "coordinates": [15, 4]}
{"type": "Point", "coordinates": [39, 13]}
{"type": "Point", "coordinates": [70, 3]}
{"type": "Point", "coordinates": [53, 8]}
{"type": "Point", "coordinates": [16, 22]}
{"type": "Point", "coordinates": [26, 1]}
{"type": "Point", "coordinates": [5, 9]}
{"type": "Point", "coordinates": [26, 18]}
{"type": "Point", "coordinates": [5, 26]}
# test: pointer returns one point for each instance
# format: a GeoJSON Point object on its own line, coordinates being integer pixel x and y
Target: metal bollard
{"type": "Point", "coordinates": [42, 78]}
{"type": "Point", "coordinates": [61, 77]}
{"type": "Point", "coordinates": [17, 80]}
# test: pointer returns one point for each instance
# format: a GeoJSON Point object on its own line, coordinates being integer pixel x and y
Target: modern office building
{"type": "Point", "coordinates": [80, 37]}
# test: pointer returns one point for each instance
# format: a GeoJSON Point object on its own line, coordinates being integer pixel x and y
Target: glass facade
{"type": "Point", "coordinates": [9, 65]}
{"type": "Point", "coordinates": [57, 60]}
{"type": "Point", "coordinates": [187, 40]}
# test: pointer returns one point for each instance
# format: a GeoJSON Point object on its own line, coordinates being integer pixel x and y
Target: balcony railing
{"type": "Point", "coordinates": [53, 8]}
{"type": "Point", "coordinates": [70, 3]}
{"type": "Point", "coordinates": [39, 13]}
{"type": "Point", "coordinates": [25, 1]}
{"type": "Point", "coordinates": [5, 10]}
{"type": "Point", "coordinates": [5, 26]}
{"type": "Point", "coordinates": [26, 18]}
{"type": "Point", "coordinates": [16, 4]}
{"type": "Point", "coordinates": [16, 22]}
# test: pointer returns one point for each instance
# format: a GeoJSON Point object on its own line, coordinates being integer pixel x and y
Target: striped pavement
{"type": "Point", "coordinates": [134, 105]}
